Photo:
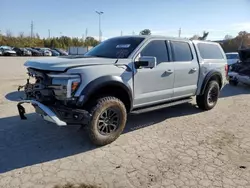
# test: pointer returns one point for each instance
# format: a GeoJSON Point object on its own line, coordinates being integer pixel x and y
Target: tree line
{"type": "Point", "coordinates": [242, 40]}
{"type": "Point", "coordinates": [229, 44]}
{"type": "Point", "coordinates": [55, 42]}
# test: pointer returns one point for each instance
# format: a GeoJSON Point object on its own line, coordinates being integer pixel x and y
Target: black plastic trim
{"type": "Point", "coordinates": [71, 116]}
{"type": "Point", "coordinates": [170, 51]}
{"type": "Point", "coordinates": [21, 111]}
{"type": "Point", "coordinates": [207, 78]}
{"type": "Point", "coordinates": [161, 105]}
{"type": "Point", "coordinates": [102, 82]}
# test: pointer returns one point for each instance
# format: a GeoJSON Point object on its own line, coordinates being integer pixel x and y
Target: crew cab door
{"type": "Point", "coordinates": [154, 85]}
{"type": "Point", "coordinates": [186, 68]}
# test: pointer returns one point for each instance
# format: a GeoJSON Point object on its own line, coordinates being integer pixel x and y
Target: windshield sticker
{"type": "Point", "coordinates": [122, 53]}
{"type": "Point", "coordinates": [123, 46]}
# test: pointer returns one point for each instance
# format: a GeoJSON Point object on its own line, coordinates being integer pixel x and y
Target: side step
{"type": "Point", "coordinates": [161, 106]}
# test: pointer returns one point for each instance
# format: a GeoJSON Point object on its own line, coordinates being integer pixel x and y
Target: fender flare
{"type": "Point", "coordinates": [208, 77]}
{"type": "Point", "coordinates": [103, 81]}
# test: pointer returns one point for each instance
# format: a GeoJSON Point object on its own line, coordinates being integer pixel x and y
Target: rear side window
{"type": "Point", "coordinates": [210, 51]}
{"type": "Point", "coordinates": [181, 51]}
{"type": "Point", "coordinates": [158, 49]}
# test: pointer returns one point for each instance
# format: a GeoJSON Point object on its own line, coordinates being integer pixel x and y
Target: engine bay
{"type": "Point", "coordinates": [39, 87]}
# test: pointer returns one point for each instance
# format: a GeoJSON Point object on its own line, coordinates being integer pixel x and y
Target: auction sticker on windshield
{"type": "Point", "coordinates": [123, 46]}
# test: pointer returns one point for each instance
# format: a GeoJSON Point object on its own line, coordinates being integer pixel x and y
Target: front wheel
{"type": "Point", "coordinates": [209, 99]}
{"type": "Point", "coordinates": [108, 120]}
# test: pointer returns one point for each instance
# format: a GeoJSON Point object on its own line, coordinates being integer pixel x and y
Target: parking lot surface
{"type": "Point", "coordinates": [179, 146]}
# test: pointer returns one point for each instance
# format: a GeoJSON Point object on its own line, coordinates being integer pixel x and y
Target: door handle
{"type": "Point", "coordinates": [194, 69]}
{"type": "Point", "coordinates": [169, 71]}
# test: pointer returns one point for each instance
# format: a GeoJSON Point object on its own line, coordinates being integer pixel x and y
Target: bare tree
{"type": "Point", "coordinates": [242, 33]}
{"type": "Point", "coordinates": [37, 36]}
{"type": "Point", "coordinates": [8, 33]}
{"type": "Point", "coordinates": [227, 37]}
{"type": "Point", "coordinates": [21, 35]}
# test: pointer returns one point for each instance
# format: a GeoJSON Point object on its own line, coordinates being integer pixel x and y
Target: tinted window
{"type": "Point", "coordinates": [156, 49]}
{"type": "Point", "coordinates": [119, 47]}
{"type": "Point", "coordinates": [232, 56]}
{"type": "Point", "coordinates": [210, 51]}
{"type": "Point", "coordinates": [181, 51]}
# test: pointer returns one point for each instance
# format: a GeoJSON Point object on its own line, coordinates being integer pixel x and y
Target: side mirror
{"type": "Point", "coordinates": [146, 62]}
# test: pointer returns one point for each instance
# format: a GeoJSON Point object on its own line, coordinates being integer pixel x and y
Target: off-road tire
{"type": "Point", "coordinates": [96, 109]}
{"type": "Point", "coordinates": [202, 100]}
{"type": "Point", "coordinates": [233, 82]}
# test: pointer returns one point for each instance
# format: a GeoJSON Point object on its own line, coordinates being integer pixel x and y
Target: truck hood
{"type": "Point", "coordinates": [63, 63]}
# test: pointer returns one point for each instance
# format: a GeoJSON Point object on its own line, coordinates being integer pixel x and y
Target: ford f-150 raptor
{"type": "Point", "coordinates": [123, 75]}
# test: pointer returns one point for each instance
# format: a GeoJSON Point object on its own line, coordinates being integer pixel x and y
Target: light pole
{"type": "Point", "coordinates": [100, 32]}
{"type": "Point", "coordinates": [179, 33]}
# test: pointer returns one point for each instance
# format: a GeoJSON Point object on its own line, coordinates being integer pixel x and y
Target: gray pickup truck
{"type": "Point", "coordinates": [127, 74]}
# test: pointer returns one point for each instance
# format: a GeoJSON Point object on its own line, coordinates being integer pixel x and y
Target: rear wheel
{"type": "Point", "coordinates": [209, 99]}
{"type": "Point", "coordinates": [108, 120]}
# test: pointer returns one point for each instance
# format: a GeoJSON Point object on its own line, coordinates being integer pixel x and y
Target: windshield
{"type": "Point", "coordinates": [6, 48]}
{"type": "Point", "coordinates": [232, 56]}
{"type": "Point", "coordinates": [119, 47]}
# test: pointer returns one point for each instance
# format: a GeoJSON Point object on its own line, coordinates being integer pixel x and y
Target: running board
{"type": "Point", "coordinates": [161, 106]}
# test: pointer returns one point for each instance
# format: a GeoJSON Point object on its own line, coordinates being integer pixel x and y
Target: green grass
{"type": "Point", "coordinates": [82, 185]}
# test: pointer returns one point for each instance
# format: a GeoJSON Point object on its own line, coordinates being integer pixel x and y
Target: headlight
{"type": "Point", "coordinates": [72, 86]}
{"type": "Point", "coordinates": [68, 83]}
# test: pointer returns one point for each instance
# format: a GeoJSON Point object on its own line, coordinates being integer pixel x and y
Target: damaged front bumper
{"type": "Point", "coordinates": [59, 115]}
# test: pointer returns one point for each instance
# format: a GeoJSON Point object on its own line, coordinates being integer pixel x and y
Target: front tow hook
{"type": "Point", "coordinates": [21, 111]}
